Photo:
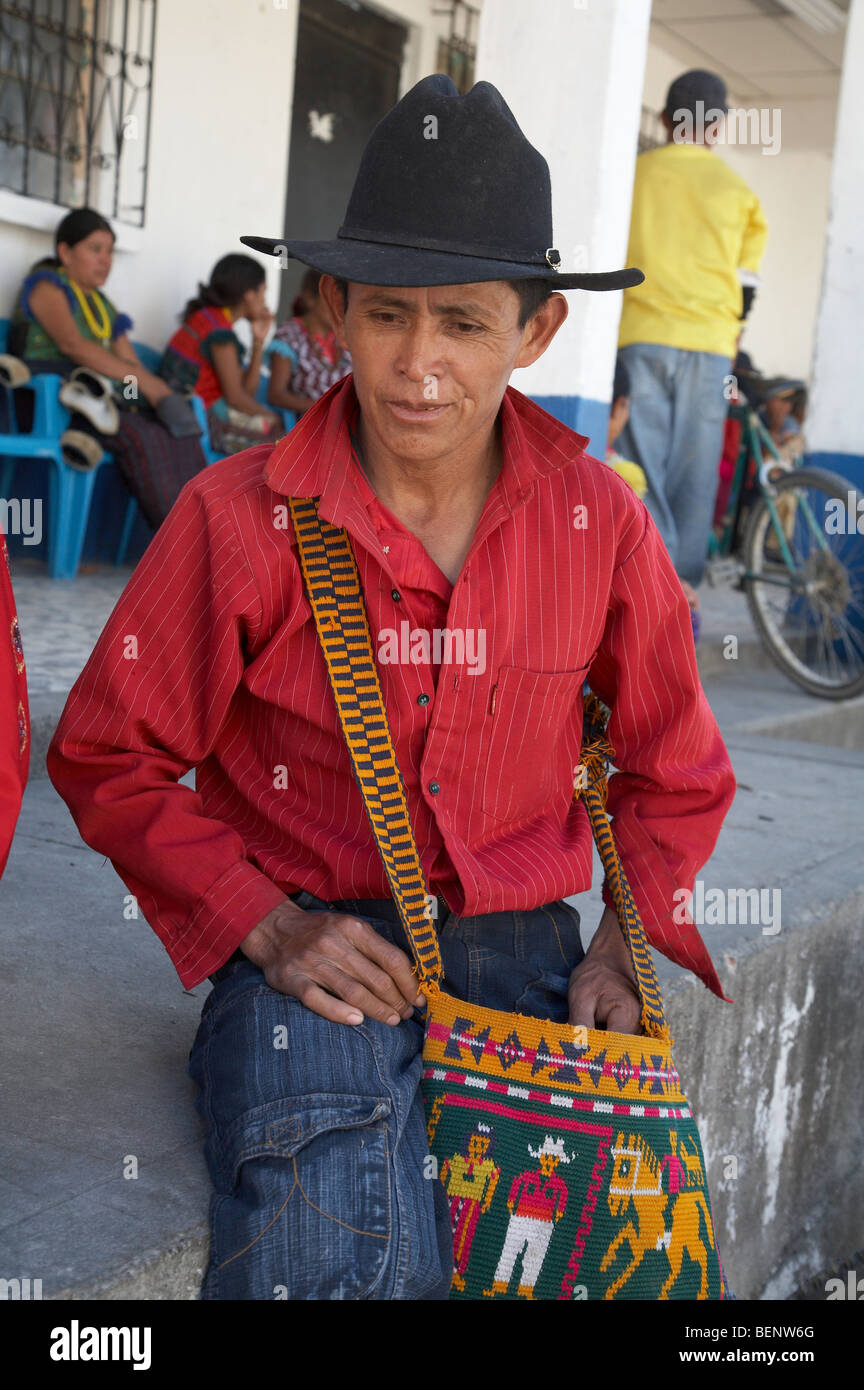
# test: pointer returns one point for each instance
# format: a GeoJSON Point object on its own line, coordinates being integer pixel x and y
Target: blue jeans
{"type": "Point", "coordinates": [675, 433]}
{"type": "Point", "coordinates": [315, 1131]}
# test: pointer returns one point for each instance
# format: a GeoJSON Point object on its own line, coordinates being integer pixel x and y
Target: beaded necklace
{"type": "Point", "coordinates": [103, 330]}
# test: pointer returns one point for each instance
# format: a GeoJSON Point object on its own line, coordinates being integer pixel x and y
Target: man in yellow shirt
{"type": "Point", "coordinates": [699, 233]}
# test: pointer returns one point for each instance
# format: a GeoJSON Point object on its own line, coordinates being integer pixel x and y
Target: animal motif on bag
{"type": "Point", "coordinates": [638, 1179]}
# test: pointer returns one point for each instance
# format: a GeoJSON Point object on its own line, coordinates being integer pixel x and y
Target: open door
{"type": "Point", "coordinates": [347, 73]}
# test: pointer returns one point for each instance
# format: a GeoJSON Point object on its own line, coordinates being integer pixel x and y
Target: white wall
{"type": "Point", "coordinates": [793, 189]}
{"type": "Point", "coordinates": [573, 84]}
{"type": "Point", "coordinates": [837, 413]}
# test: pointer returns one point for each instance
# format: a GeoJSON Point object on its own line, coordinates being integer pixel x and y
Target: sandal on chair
{"type": "Point", "coordinates": [80, 450]}
{"type": "Point", "coordinates": [13, 372]}
{"type": "Point", "coordinates": [90, 394]}
{"type": "Point", "coordinates": [176, 414]}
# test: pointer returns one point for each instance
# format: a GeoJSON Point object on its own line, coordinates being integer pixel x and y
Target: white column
{"type": "Point", "coordinates": [835, 424]}
{"type": "Point", "coordinates": [572, 72]}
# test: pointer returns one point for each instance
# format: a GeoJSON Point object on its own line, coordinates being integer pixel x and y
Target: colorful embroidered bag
{"type": "Point", "coordinates": [570, 1157]}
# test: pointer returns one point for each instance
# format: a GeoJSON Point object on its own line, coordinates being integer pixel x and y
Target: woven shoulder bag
{"type": "Point", "coordinates": [570, 1158]}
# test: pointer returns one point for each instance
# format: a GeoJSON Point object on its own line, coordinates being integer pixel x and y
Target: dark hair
{"type": "Point", "coordinates": [81, 223]}
{"type": "Point", "coordinates": [694, 86]}
{"type": "Point", "coordinates": [532, 293]}
{"type": "Point", "coordinates": [308, 285]}
{"type": "Point", "coordinates": [229, 281]}
{"type": "Point", "coordinates": [74, 227]}
{"type": "Point", "coordinates": [621, 384]}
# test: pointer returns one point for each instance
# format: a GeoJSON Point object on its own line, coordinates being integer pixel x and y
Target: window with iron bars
{"type": "Point", "coordinates": [457, 54]}
{"type": "Point", "coordinates": [75, 94]}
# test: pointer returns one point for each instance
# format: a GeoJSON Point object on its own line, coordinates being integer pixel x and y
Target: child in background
{"type": "Point", "coordinates": [619, 413]}
{"type": "Point", "coordinates": [206, 356]}
{"type": "Point", "coordinates": [631, 472]}
{"type": "Point", "coordinates": [784, 402]}
{"type": "Point", "coordinates": [305, 358]}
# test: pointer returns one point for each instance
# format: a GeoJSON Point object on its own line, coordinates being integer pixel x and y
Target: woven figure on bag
{"type": "Point", "coordinates": [537, 1200]}
{"type": "Point", "coordinates": [637, 1181]}
{"type": "Point", "coordinates": [470, 1179]}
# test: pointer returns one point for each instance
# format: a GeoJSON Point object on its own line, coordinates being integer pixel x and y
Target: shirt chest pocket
{"type": "Point", "coordinates": [532, 742]}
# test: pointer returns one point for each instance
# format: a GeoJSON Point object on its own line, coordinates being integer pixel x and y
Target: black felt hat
{"type": "Point", "coordinates": [449, 192]}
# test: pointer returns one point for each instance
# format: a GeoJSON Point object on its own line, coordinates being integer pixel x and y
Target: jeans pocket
{"type": "Point", "coordinates": [545, 996]}
{"type": "Point", "coordinates": [307, 1213]}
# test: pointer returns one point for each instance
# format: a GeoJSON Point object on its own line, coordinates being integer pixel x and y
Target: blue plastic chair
{"type": "Point", "coordinates": [70, 490]}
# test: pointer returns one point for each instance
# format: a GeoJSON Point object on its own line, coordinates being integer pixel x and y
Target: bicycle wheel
{"type": "Point", "coordinates": [811, 618]}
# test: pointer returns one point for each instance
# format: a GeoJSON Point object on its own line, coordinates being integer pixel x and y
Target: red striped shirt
{"type": "Point", "coordinates": [211, 660]}
{"type": "Point", "coordinates": [14, 711]}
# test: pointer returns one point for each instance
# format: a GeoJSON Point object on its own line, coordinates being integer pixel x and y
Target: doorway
{"type": "Point", "coordinates": [349, 61]}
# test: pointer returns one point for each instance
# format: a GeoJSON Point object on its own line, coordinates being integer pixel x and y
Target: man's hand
{"type": "Point", "coordinates": [335, 964]}
{"type": "Point", "coordinates": [602, 991]}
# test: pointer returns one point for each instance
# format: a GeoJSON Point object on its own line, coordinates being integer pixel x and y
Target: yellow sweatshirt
{"type": "Point", "coordinates": [694, 225]}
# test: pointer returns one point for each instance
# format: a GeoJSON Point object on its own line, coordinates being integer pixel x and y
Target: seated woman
{"type": "Point", "coordinates": [206, 356]}
{"type": "Point", "coordinates": [63, 323]}
{"type": "Point", "coordinates": [305, 358]}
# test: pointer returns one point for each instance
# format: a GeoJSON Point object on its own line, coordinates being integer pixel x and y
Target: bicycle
{"type": "Point", "coordinates": [803, 577]}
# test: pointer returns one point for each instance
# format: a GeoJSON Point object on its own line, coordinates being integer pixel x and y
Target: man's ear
{"type": "Point", "coordinates": [336, 307]}
{"type": "Point", "coordinates": [541, 329]}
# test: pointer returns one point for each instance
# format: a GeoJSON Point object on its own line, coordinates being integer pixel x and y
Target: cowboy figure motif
{"type": "Point", "coordinates": [637, 1178]}
{"type": "Point", "coordinates": [469, 1179]}
{"type": "Point", "coordinates": [537, 1201]}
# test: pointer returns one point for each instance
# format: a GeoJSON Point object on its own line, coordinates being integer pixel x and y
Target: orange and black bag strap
{"type": "Point", "coordinates": [333, 588]}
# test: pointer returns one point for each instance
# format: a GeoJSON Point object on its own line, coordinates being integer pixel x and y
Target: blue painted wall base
{"type": "Point", "coordinates": [582, 414]}
{"type": "Point", "coordinates": [849, 466]}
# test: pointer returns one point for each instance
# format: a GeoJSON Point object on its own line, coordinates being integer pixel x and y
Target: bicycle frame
{"type": "Point", "coordinates": [755, 443]}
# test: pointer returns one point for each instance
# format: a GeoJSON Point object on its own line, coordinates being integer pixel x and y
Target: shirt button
{"type": "Point", "coordinates": [422, 699]}
{"type": "Point", "coordinates": [395, 594]}
{"type": "Point", "coordinates": [434, 788]}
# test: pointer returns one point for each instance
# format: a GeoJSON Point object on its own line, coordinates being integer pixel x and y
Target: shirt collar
{"type": "Point", "coordinates": [315, 457]}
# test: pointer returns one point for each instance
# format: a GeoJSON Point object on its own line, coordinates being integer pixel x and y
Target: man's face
{"type": "Point", "coordinates": [431, 365]}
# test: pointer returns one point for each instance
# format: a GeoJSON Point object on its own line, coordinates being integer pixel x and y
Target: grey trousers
{"type": "Point", "coordinates": [675, 433]}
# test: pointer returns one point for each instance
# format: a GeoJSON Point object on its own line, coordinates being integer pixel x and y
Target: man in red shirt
{"type": "Point", "coordinates": [473, 512]}
{"type": "Point", "coordinates": [14, 712]}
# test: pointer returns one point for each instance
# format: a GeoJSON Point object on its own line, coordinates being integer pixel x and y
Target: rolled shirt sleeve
{"type": "Point", "coordinates": [147, 707]}
{"type": "Point", "coordinates": [674, 782]}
